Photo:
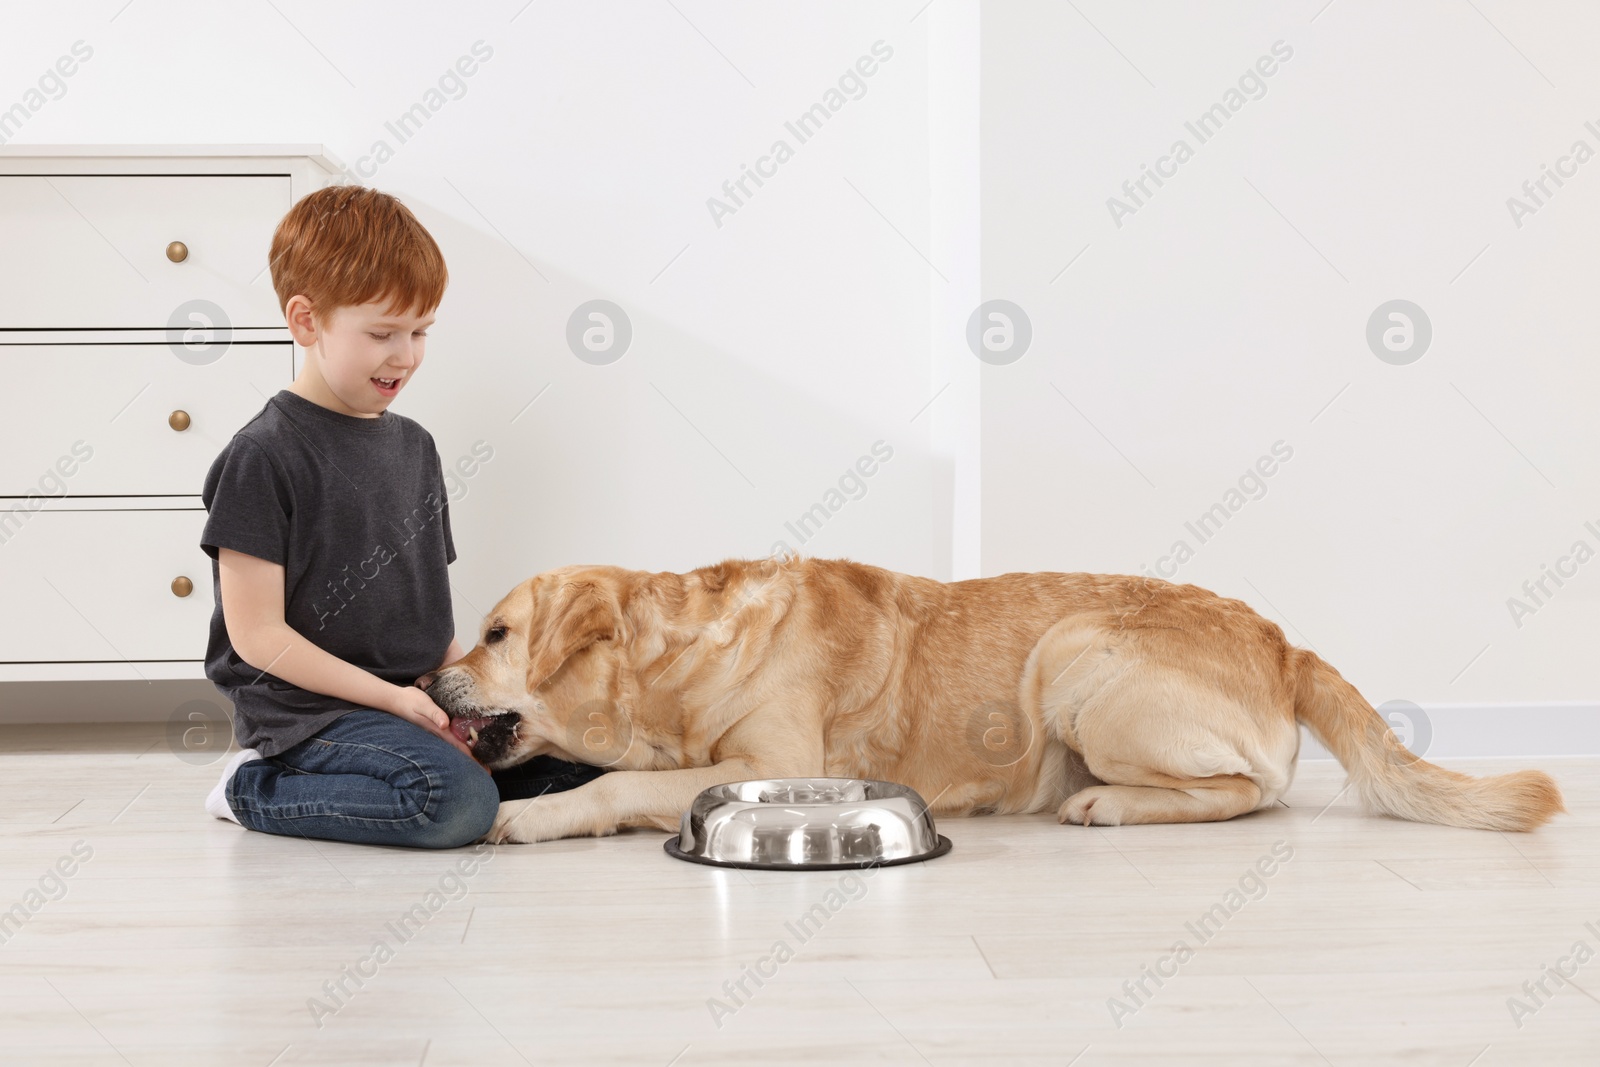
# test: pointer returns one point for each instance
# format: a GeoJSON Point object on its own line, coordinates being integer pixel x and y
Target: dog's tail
{"type": "Point", "coordinates": [1391, 779]}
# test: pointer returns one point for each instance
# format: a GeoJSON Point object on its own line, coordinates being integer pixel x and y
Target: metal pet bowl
{"type": "Point", "coordinates": [807, 824]}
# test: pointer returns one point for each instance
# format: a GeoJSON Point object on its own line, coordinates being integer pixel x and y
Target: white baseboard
{"type": "Point", "coordinates": [1521, 731]}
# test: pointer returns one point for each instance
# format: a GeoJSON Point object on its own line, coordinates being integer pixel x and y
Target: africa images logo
{"type": "Point", "coordinates": [805, 126]}
{"type": "Point", "coordinates": [382, 555]}
{"type": "Point", "coordinates": [1206, 126]}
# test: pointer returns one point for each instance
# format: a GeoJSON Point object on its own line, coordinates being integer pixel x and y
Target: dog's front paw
{"type": "Point", "coordinates": [517, 823]}
{"type": "Point", "coordinates": [546, 818]}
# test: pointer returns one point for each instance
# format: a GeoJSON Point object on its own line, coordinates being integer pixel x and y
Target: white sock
{"type": "Point", "coordinates": [217, 799]}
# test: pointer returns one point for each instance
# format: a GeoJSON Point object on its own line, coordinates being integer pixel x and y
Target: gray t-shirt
{"type": "Point", "coordinates": [355, 510]}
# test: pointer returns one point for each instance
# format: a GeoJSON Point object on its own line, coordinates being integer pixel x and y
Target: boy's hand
{"type": "Point", "coordinates": [415, 705]}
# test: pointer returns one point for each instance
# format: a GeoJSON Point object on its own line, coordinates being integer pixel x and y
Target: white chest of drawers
{"type": "Point", "coordinates": [138, 332]}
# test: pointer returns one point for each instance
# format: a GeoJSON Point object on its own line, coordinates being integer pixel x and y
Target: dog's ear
{"type": "Point", "coordinates": [581, 613]}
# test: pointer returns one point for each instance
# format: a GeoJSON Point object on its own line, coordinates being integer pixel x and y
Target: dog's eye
{"type": "Point", "coordinates": [495, 633]}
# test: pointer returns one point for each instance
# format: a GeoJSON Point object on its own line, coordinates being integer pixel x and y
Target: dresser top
{"type": "Point", "coordinates": [144, 151]}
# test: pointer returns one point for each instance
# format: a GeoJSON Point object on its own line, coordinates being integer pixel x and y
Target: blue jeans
{"type": "Point", "coordinates": [375, 779]}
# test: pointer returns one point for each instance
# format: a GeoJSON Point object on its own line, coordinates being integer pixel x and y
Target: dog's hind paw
{"type": "Point", "coordinates": [1095, 806]}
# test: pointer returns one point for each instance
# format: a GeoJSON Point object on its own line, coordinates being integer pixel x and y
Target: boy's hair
{"type": "Point", "coordinates": [346, 244]}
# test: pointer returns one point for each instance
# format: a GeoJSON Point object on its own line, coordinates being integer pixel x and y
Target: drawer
{"type": "Point", "coordinates": [87, 586]}
{"type": "Point", "coordinates": [91, 250]}
{"type": "Point", "coordinates": [97, 419]}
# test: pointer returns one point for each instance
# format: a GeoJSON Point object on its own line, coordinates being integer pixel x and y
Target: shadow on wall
{"type": "Point", "coordinates": [673, 455]}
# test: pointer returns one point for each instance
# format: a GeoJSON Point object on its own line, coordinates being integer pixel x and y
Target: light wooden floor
{"type": "Point", "coordinates": [185, 940]}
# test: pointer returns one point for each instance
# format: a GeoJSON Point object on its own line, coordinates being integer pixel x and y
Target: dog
{"type": "Point", "coordinates": [1111, 699]}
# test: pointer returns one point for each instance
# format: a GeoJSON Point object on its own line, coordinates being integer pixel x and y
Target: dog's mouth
{"type": "Point", "coordinates": [469, 729]}
{"type": "Point", "coordinates": [489, 736]}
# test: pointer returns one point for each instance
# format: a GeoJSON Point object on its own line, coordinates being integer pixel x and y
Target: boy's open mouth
{"type": "Point", "coordinates": [387, 386]}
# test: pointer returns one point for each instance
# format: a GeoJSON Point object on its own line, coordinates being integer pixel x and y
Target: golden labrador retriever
{"type": "Point", "coordinates": [1111, 699]}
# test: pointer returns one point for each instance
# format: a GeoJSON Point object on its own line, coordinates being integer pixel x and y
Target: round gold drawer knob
{"type": "Point", "coordinates": [178, 420]}
{"type": "Point", "coordinates": [182, 586]}
{"type": "Point", "coordinates": [177, 251]}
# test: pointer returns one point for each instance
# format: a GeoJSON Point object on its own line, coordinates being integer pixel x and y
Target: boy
{"type": "Point", "coordinates": [330, 534]}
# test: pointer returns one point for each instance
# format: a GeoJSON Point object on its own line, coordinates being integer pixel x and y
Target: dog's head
{"type": "Point", "coordinates": [548, 675]}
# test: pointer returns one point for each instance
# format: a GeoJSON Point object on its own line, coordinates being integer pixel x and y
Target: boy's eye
{"type": "Point", "coordinates": [496, 633]}
{"type": "Point", "coordinates": [378, 336]}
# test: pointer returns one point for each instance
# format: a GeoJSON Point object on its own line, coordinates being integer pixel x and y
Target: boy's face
{"type": "Point", "coordinates": [365, 353]}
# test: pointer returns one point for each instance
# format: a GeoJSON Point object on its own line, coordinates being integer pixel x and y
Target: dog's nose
{"type": "Point", "coordinates": [425, 681]}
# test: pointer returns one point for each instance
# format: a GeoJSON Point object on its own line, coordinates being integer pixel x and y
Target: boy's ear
{"type": "Point", "coordinates": [582, 614]}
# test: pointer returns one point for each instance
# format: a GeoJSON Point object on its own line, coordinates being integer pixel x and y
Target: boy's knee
{"type": "Point", "coordinates": [468, 811]}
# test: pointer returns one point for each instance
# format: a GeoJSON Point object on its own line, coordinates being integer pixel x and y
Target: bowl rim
{"type": "Point", "coordinates": [897, 791]}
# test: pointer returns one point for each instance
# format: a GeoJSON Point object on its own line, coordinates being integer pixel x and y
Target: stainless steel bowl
{"type": "Point", "coordinates": [807, 824]}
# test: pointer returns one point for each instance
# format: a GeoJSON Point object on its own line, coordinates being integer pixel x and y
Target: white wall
{"type": "Point", "coordinates": [772, 352]}
{"type": "Point", "coordinates": [769, 353]}
{"type": "Point", "coordinates": [1230, 309]}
